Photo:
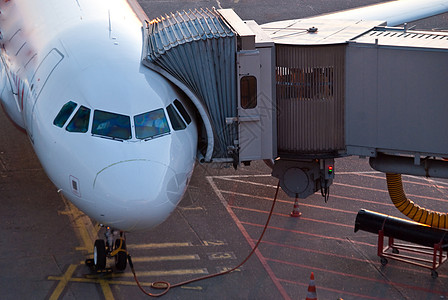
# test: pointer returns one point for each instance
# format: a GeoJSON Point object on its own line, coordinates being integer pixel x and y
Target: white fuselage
{"type": "Point", "coordinates": [88, 53]}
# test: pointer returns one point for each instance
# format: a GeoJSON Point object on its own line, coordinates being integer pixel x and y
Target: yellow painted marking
{"type": "Point", "coordinates": [214, 243]}
{"type": "Point", "coordinates": [246, 182]}
{"type": "Point", "coordinates": [158, 245]}
{"type": "Point", "coordinates": [130, 283]}
{"type": "Point", "coordinates": [63, 282]}
{"type": "Point", "coordinates": [239, 176]}
{"type": "Point", "coordinates": [87, 233]}
{"type": "Point", "coordinates": [221, 255]}
{"type": "Point", "coordinates": [225, 269]}
{"type": "Point", "coordinates": [197, 288]}
{"type": "Point", "coordinates": [166, 258]}
{"type": "Point", "coordinates": [191, 208]}
{"type": "Point", "coordinates": [154, 273]}
{"type": "Point", "coordinates": [82, 225]}
{"type": "Point", "coordinates": [171, 272]}
{"type": "Point", "coordinates": [106, 290]}
{"type": "Point", "coordinates": [91, 280]}
{"type": "Point", "coordinates": [82, 249]}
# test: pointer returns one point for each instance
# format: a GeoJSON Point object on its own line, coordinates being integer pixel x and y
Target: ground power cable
{"type": "Point", "coordinates": [166, 286]}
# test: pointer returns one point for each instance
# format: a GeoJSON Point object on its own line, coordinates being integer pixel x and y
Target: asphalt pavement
{"type": "Point", "coordinates": [45, 240]}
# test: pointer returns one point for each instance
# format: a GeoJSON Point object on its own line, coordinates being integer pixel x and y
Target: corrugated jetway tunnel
{"type": "Point", "coordinates": [304, 92]}
{"type": "Point", "coordinates": [213, 56]}
{"type": "Point", "coordinates": [196, 50]}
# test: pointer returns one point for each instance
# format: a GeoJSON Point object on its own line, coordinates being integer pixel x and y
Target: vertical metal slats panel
{"type": "Point", "coordinates": [310, 99]}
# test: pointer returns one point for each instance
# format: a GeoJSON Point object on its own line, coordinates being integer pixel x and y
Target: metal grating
{"type": "Point", "coordinates": [199, 48]}
{"type": "Point", "coordinates": [399, 37]}
{"type": "Point", "coordinates": [310, 99]}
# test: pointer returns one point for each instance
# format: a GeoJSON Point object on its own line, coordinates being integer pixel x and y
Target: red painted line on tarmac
{"type": "Point", "coordinates": [344, 257]}
{"type": "Point", "coordinates": [426, 198]}
{"type": "Point", "coordinates": [341, 197]}
{"type": "Point", "coordinates": [360, 187]}
{"type": "Point", "coordinates": [308, 234]}
{"type": "Point", "coordinates": [385, 191]}
{"type": "Point", "coordinates": [362, 200]}
{"type": "Point", "coordinates": [314, 251]}
{"type": "Point", "coordinates": [314, 206]}
{"type": "Point", "coordinates": [387, 282]}
{"type": "Point", "coordinates": [429, 184]}
{"type": "Point", "coordinates": [288, 216]}
{"type": "Point", "coordinates": [249, 240]}
{"type": "Point", "coordinates": [288, 202]}
{"type": "Point", "coordinates": [332, 290]}
{"type": "Point", "coordinates": [405, 181]}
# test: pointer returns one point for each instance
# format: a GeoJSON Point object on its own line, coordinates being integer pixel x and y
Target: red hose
{"type": "Point", "coordinates": [167, 286]}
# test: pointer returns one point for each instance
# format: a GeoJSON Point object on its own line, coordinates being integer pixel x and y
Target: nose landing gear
{"type": "Point", "coordinates": [120, 254]}
{"type": "Point", "coordinates": [114, 246]}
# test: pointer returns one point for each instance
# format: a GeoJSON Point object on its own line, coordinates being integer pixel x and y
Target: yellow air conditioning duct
{"type": "Point", "coordinates": [409, 208]}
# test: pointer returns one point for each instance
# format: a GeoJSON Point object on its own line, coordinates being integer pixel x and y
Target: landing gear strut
{"type": "Point", "coordinates": [114, 246]}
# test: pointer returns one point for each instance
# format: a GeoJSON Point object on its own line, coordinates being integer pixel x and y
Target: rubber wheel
{"type": "Point", "coordinates": [434, 274]}
{"type": "Point", "coordinates": [121, 257]}
{"type": "Point", "coordinates": [383, 261]}
{"type": "Point", "coordinates": [99, 255]}
{"type": "Point", "coordinates": [395, 251]}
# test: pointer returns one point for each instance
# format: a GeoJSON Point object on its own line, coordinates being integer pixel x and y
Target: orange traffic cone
{"type": "Point", "coordinates": [295, 211]}
{"type": "Point", "coordinates": [311, 295]}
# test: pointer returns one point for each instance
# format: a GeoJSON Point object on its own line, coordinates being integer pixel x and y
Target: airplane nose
{"type": "Point", "coordinates": [136, 194]}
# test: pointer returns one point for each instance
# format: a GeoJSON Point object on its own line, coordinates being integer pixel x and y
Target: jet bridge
{"type": "Point", "coordinates": [304, 92]}
{"type": "Point", "coordinates": [226, 70]}
{"type": "Point", "coordinates": [397, 93]}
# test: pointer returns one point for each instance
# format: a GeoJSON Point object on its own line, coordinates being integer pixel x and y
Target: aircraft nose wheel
{"type": "Point", "coordinates": [120, 254]}
{"type": "Point", "coordinates": [99, 255]}
{"type": "Point", "coordinates": [110, 249]}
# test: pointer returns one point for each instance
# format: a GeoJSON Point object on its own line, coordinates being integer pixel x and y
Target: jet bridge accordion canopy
{"type": "Point", "coordinates": [198, 48]}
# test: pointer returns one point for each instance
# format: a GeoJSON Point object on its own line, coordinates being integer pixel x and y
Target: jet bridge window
{"type": "Point", "coordinates": [111, 125]}
{"type": "Point", "coordinates": [306, 83]}
{"type": "Point", "coordinates": [248, 92]}
{"type": "Point", "coordinates": [80, 121]}
{"type": "Point", "coordinates": [176, 120]}
{"type": "Point", "coordinates": [151, 124]}
{"type": "Point", "coordinates": [65, 113]}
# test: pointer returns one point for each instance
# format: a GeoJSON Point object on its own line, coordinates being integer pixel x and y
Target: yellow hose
{"type": "Point", "coordinates": [411, 210]}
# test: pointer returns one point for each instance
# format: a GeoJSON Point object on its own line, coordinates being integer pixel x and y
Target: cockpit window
{"type": "Point", "coordinates": [80, 121]}
{"type": "Point", "coordinates": [111, 125]}
{"type": "Point", "coordinates": [151, 124]}
{"type": "Point", "coordinates": [176, 120]}
{"type": "Point", "coordinates": [65, 112]}
{"type": "Point", "coordinates": [182, 111]}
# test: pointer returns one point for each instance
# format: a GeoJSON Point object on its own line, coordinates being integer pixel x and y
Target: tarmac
{"type": "Point", "coordinates": [45, 240]}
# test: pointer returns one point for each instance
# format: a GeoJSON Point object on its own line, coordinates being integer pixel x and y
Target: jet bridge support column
{"type": "Point", "coordinates": [310, 90]}
{"type": "Point", "coordinates": [302, 178]}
